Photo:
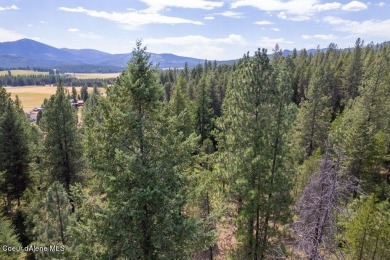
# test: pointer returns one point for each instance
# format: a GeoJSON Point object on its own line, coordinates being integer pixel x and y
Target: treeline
{"type": "Point", "coordinates": [52, 79]}
{"type": "Point", "coordinates": [263, 159]}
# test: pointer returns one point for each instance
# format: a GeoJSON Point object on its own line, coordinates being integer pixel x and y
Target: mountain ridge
{"type": "Point", "coordinates": [30, 53]}
{"type": "Point", "coordinates": [27, 53]}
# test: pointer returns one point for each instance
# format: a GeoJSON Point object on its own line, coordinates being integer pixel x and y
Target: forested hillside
{"type": "Point", "coordinates": [287, 158]}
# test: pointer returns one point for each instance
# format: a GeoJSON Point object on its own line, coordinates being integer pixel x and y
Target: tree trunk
{"type": "Point", "coordinates": [60, 218]}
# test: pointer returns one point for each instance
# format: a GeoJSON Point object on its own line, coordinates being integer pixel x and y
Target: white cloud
{"type": "Point", "coordinates": [269, 43]}
{"type": "Point", "coordinates": [90, 35]}
{"type": "Point", "coordinates": [73, 30]}
{"type": "Point", "coordinates": [132, 18]}
{"type": "Point", "coordinates": [290, 6]}
{"type": "Point", "coordinates": [295, 18]}
{"type": "Point", "coordinates": [359, 29]}
{"type": "Point", "coordinates": [381, 4]}
{"type": "Point", "coordinates": [6, 35]}
{"type": "Point", "coordinates": [231, 39]}
{"type": "Point", "coordinates": [354, 6]}
{"type": "Point", "coordinates": [42, 22]}
{"type": "Point", "coordinates": [230, 14]}
{"type": "Point", "coordinates": [327, 6]}
{"type": "Point", "coordinates": [263, 22]}
{"type": "Point", "coordinates": [297, 10]}
{"type": "Point", "coordinates": [209, 18]}
{"type": "Point", "coordinates": [196, 45]}
{"type": "Point", "coordinates": [12, 7]}
{"type": "Point", "coordinates": [275, 29]}
{"type": "Point", "coordinates": [320, 36]}
{"type": "Point", "coordinates": [158, 5]}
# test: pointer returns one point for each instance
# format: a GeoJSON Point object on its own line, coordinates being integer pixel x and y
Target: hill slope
{"type": "Point", "coordinates": [26, 52]}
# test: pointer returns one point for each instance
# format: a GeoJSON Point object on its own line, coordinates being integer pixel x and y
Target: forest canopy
{"type": "Point", "coordinates": [272, 157]}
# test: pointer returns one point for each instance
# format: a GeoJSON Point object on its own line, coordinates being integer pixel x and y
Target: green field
{"type": "Point", "coordinates": [23, 72]}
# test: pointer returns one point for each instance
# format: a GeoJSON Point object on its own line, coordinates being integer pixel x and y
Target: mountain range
{"type": "Point", "coordinates": [28, 53]}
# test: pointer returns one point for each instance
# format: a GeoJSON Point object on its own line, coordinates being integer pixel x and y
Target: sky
{"type": "Point", "coordinates": [206, 29]}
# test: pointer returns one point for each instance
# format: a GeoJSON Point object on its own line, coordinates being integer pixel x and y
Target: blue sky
{"type": "Point", "coordinates": [207, 29]}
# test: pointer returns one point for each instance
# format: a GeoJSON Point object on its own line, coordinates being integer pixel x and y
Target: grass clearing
{"type": "Point", "coordinates": [23, 73]}
{"type": "Point", "coordinates": [76, 75]}
{"type": "Point", "coordinates": [96, 75]}
{"type": "Point", "coordinates": [33, 96]}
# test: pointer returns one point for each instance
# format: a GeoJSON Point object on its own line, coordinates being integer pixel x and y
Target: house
{"type": "Point", "coordinates": [80, 103]}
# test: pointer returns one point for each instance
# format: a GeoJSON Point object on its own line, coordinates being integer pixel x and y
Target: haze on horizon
{"type": "Point", "coordinates": [218, 29]}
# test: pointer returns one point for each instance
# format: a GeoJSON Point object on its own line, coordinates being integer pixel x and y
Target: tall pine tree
{"type": "Point", "coordinates": [142, 162]}
{"type": "Point", "coordinates": [256, 118]}
{"type": "Point", "coordinates": [59, 123]}
{"type": "Point", "coordinates": [14, 149]}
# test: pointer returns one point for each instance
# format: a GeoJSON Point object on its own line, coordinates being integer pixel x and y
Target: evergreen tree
{"type": "Point", "coordinates": [180, 108]}
{"type": "Point", "coordinates": [204, 111]}
{"type": "Point", "coordinates": [353, 71]}
{"type": "Point", "coordinates": [9, 239]}
{"type": "Point", "coordinates": [14, 150]}
{"type": "Point", "coordinates": [74, 94]}
{"type": "Point", "coordinates": [205, 196]}
{"type": "Point", "coordinates": [96, 90]}
{"type": "Point", "coordinates": [363, 129]}
{"type": "Point", "coordinates": [253, 144]}
{"type": "Point", "coordinates": [52, 222]}
{"type": "Point", "coordinates": [39, 116]}
{"type": "Point", "coordinates": [84, 93]}
{"type": "Point", "coordinates": [142, 163]}
{"type": "Point", "coordinates": [84, 240]}
{"type": "Point", "coordinates": [59, 122]}
{"type": "Point", "coordinates": [367, 231]}
{"type": "Point", "coordinates": [314, 115]}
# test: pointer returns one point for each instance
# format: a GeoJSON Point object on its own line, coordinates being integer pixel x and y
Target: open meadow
{"type": "Point", "coordinates": [33, 96]}
{"type": "Point", "coordinates": [23, 73]}
{"type": "Point", "coordinates": [75, 75]}
{"type": "Point", "coordinates": [96, 75]}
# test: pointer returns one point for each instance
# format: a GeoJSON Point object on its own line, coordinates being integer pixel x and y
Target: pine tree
{"type": "Point", "coordinates": [52, 222]}
{"type": "Point", "coordinates": [142, 164]}
{"type": "Point", "coordinates": [85, 224]}
{"type": "Point", "coordinates": [96, 90]}
{"type": "Point", "coordinates": [367, 230]}
{"type": "Point", "coordinates": [255, 121]}
{"type": "Point", "coordinates": [205, 199]}
{"type": "Point", "coordinates": [314, 115]}
{"type": "Point", "coordinates": [180, 108]}
{"type": "Point", "coordinates": [74, 94]}
{"type": "Point", "coordinates": [9, 239]}
{"type": "Point", "coordinates": [363, 129]}
{"type": "Point", "coordinates": [14, 149]}
{"type": "Point", "coordinates": [353, 71]}
{"type": "Point", "coordinates": [204, 111]}
{"type": "Point", "coordinates": [59, 123]}
{"type": "Point", "coordinates": [84, 93]}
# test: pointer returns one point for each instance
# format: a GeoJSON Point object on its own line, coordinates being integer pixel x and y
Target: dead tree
{"type": "Point", "coordinates": [318, 206]}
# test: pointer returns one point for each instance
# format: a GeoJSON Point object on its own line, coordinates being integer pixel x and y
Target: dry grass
{"type": "Point", "coordinates": [76, 75]}
{"type": "Point", "coordinates": [33, 96]}
{"type": "Point", "coordinates": [96, 75]}
{"type": "Point", "coordinates": [23, 72]}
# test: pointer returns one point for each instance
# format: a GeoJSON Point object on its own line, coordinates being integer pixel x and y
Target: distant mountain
{"type": "Point", "coordinates": [28, 53]}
